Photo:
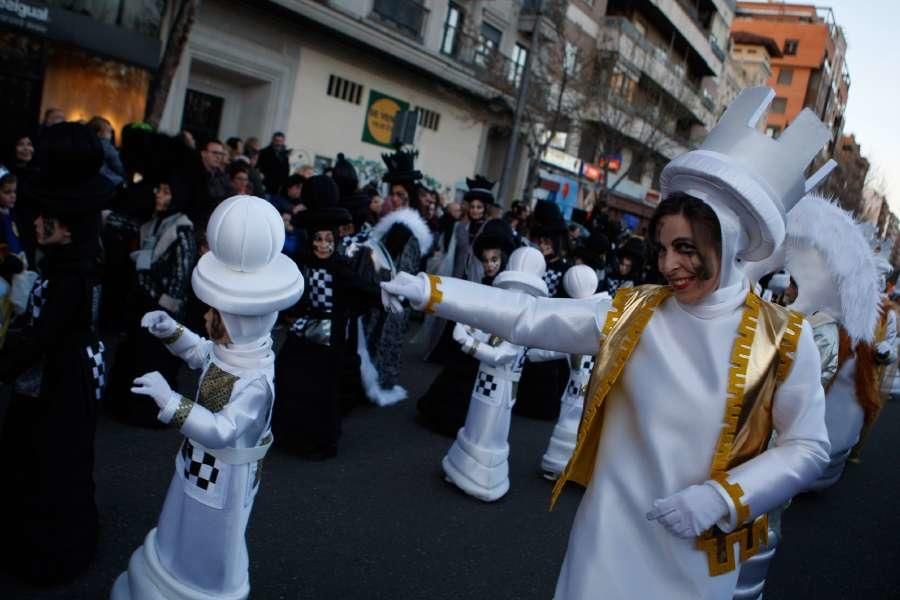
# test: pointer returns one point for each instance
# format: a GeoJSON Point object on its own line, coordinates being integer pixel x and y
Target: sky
{"type": "Point", "coordinates": [873, 106]}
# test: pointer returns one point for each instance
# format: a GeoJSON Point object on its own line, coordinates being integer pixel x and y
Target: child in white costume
{"type": "Point", "coordinates": [579, 281]}
{"type": "Point", "coordinates": [198, 550]}
{"type": "Point", "coordinates": [478, 461]}
{"type": "Point", "coordinates": [691, 379]}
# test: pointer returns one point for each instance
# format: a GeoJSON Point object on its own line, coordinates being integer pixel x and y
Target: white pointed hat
{"type": "Point", "coordinates": [244, 273]}
{"type": "Point", "coordinates": [524, 272]}
{"type": "Point", "coordinates": [758, 177]}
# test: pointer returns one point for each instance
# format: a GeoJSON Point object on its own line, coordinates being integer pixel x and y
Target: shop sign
{"type": "Point", "coordinates": [561, 160]}
{"type": "Point", "coordinates": [380, 114]}
{"type": "Point", "coordinates": [32, 16]}
{"type": "Point", "coordinates": [592, 172]}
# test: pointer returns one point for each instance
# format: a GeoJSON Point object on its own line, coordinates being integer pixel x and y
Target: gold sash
{"type": "Point", "coordinates": [761, 357]}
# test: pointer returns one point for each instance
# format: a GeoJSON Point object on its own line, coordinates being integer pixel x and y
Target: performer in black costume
{"type": "Point", "coordinates": [48, 517]}
{"type": "Point", "coordinates": [308, 368]}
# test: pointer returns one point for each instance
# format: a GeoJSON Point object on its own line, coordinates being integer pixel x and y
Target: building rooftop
{"type": "Point", "coordinates": [746, 37]}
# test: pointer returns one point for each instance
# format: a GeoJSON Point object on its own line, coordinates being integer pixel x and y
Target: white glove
{"type": "Point", "coordinates": [462, 337]}
{"type": "Point", "coordinates": [690, 512]}
{"type": "Point", "coordinates": [159, 323]}
{"type": "Point", "coordinates": [414, 288]}
{"type": "Point", "coordinates": [154, 385]}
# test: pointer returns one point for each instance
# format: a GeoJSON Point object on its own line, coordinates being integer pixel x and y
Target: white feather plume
{"type": "Point", "coordinates": [818, 222]}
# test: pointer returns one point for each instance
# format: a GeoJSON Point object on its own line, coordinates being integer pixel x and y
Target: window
{"type": "Point", "coordinates": [571, 58]}
{"type": "Point", "coordinates": [488, 43]}
{"type": "Point", "coordinates": [636, 172]}
{"type": "Point", "coordinates": [428, 119]}
{"type": "Point", "coordinates": [517, 67]}
{"type": "Point", "coordinates": [785, 76]}
{"type": "Point", "coordinates": [407, 16]}
{"type": "Point", "coordinates": [779, 105]}
{"type": "Point", "coordinates": [344, 89]}
{"type": "Point", "coordinates": [790, 47]}
{"type": "Point", "coordinates": [452, 28]}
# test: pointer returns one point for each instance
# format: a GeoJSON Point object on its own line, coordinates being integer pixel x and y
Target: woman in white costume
{"type": "Point", "coordinates": [691, 378]}
{"type": "Point", "coordinates": [478, 461]}
{"type": "Point", "coordinates": [579, 281]}
{"type": "Point", "coordinates": [198, 550]}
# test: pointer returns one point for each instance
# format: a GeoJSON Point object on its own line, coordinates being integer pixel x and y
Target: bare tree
{"type": "Point", "coordinates": [185, 11]}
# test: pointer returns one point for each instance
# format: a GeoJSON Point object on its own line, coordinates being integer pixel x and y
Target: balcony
{"type": "Point", "coordinates": [406, 16]}
{"type": "Point", "coordinates": [620, 36]}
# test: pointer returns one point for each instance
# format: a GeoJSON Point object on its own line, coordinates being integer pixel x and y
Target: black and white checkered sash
{"type": "Point", "coordinates": [95, 353]}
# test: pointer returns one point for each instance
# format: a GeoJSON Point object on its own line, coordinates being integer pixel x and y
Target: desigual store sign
{"type": "Point", "coordinates": [380, 115]}
{"type": "Point", "coordinates": [30, 16]}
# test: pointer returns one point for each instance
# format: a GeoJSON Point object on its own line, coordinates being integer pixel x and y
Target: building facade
{"type": "Point", "coordinates": [811, 71]}
{"type": "Point", "coordinates": [85, 57]}
{"type": "Point", "coordinates": [332, 76]}
{"type": "Point", "coordinates": [749, 64]}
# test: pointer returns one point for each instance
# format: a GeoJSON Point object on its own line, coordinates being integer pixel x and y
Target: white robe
{"type": "Point", "coordinates": [198, 549]}
{"type": "Point", "coordinates": [662, 420]}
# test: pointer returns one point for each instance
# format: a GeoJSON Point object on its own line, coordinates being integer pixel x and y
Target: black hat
{"type": "Point", "coordinates": [401, 167]}
{"type": "Point", "coordinates": [480, 188]}
{"type": "Point", "coordinates": [344, 175]}
{"type": "Point", "coordinates": [320, 196]}
{"type": "Point", "coordinates": [548, 220]}
{"type": "Point", "coordinates": [69, 157]}
{"type": "Point", "coordinates": [593, 250]}
{"type": "Point", "coordinates": [496, 233]}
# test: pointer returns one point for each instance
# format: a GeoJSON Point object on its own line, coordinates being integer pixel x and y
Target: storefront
{"type": "Point", "coordinates": [93, 57]}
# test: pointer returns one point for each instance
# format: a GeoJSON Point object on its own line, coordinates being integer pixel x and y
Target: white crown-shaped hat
{"type": "Point", "coordinates": [524, 272]}
{"type": "Point", "coordinates": [244, 272]}
{"type": "Point", "coordinates": [759, 177]}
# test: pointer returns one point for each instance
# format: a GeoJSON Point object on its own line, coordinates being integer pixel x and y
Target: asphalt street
{"type": "Point", "coordinates": [379, 522]}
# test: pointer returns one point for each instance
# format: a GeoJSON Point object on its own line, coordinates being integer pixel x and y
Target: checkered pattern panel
{"type": "Point", "coordinates": [486, 385]}
{"type": "Point", "coordinates": [553, 278]}
{"type": "Point", "coordinates": [587, 363]}
{"type": "Point", "coordinates": [321, 290]}
{"type": "Point", "coordinates": [298, 325]}
{"type": "Point", "coordinates": [200, 468]}
{"type": "Point", "coordinates": [98, 367]}
{"type": "Point", "coordinates": [360, 238]}
{"type": "Point", "coordinates": [38, 297]}
{"type": "Point", "coordinates": [574, 388]}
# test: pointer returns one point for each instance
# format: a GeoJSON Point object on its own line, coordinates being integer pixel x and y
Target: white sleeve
{"type": "Point", "coordinates": [496, 355]}
{"type": "Point", "coordinates": [248, 404]}
{"type": "Point", "coordinates": [567, 325]}
{"type": "Point", "coordinates": [539, 355]}
{"type": "Point", "coordinates": [191, 348]}
{"type": "Point", "coordinates": [800, 451]}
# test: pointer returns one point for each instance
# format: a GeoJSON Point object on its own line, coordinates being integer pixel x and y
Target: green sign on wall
{"type": "Point", "coordinates": [380, 118]}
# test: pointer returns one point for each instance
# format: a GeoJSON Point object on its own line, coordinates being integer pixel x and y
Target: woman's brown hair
{"type": "Point", "coordinates": [704, 226]}
{"type": "Point", "coordinates": [217, 328]}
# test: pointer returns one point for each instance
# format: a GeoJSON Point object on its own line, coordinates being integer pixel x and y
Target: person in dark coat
{"type": "Point", "coordinates": [274, 162]}
{"type": "Point", "coordinates": [444, 406]}
{"type": "Point", "coordinates": [308, 368]}
{"type": "Point", "coordinates": [162, 271]}
{"type": "Point", "coordinates": [48, 517]}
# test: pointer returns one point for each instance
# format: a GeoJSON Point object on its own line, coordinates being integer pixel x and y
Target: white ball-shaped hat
{"type": "Point", "coordinates": [580, 281]}
{"type": "Point", "coordinates": [524, 272]}
{"type": "Point", "coordinates": [244, 272]}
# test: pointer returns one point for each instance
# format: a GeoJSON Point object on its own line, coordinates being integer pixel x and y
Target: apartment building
{"type": "Point", "coordinates": [332, 75]}
{"type": "Point", "coordinates": [667, 54]}
{"type": "Point", "coordinates": [811, 71]}
{"type": "Point", "coordinates": [749, 64]}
